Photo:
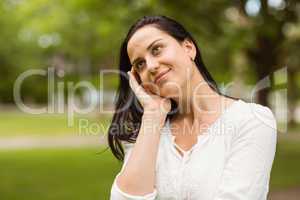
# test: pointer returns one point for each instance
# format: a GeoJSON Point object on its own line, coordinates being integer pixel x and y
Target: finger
{"type": "Point", "coordinates": [136, 87]}
{"type": "Point", "coordinates": [133, 77]}
{"type": "Point", "coordinates": [148, 88]}
{"type": "Point", "coordinates": [138, 90]}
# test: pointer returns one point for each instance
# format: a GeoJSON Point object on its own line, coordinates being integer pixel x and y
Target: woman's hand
{"type": "Point", "coordinates": [150, 101]}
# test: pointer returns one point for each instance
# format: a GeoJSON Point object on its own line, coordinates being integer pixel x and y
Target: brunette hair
{"type": "Point", "coordinates": [126, 120]}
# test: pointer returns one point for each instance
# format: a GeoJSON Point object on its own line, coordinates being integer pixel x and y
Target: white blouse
{"type": "Point", "coordinates": [232, 160]}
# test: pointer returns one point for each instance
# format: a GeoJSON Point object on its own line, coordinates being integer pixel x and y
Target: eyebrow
{"type": "Point", "coordinates": [152, 43]}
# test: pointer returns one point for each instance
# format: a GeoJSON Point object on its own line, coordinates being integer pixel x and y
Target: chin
{"type": "Point", "coordinates": [171, 88]}
{"type": "Point", "coordinates": [169, 92]}
{"type": "Point", "coordinates": [168, 88]}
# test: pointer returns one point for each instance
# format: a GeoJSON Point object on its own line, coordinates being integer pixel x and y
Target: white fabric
{"type": "Point", "coordinates": [232, 160]}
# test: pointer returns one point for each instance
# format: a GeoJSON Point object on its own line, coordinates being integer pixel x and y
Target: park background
{"type": "Point", "coordinates": [45, 155]}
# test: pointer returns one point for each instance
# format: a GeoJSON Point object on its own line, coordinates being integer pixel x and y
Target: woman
{"type": "Point", "coordinates": [183, 139]}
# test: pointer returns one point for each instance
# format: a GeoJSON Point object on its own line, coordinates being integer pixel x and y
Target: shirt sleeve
{"type": "Point", "coordinates": [117, 194]}
{"type": "Point", "coordinates": [248, 165]}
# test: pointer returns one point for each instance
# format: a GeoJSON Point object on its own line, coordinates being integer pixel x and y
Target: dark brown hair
{"type": "Point", "coordinates": [126, 120]}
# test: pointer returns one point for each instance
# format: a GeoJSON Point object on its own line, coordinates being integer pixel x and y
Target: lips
{"type": "Point", "coordinates": [161, 75]}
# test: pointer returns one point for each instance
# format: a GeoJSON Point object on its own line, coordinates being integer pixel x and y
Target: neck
{"type": "Point", "coordinates": [199, 102]}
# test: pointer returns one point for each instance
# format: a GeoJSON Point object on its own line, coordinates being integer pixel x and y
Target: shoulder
{"type": "Point", "coordinates": [247, 112]}
{"type": "Point", "coordinates": [253, 120]}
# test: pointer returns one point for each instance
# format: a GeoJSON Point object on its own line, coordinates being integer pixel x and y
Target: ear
{"type": "Point", "coordinates": [190, 48]}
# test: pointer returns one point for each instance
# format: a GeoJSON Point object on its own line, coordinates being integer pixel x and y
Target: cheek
{"type": "Point", "coordinates": [172, 87]}
{"type": "Point", "coordinates": [177, 60]}
{"type": "Point", "coordinates": [170, 56]}
{"type": "Point", "coordinates": [171, 90]}
{"type": "Point", "coordinates": [147, 84]}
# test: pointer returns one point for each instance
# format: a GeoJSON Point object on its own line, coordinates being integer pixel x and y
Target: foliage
{"type": "Point", "coordinates": [82, 37]}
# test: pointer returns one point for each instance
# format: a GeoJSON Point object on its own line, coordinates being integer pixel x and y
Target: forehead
{"type": "Point", "coordinates": [143, 37]}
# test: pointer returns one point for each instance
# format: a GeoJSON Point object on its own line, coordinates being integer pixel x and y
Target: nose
{"type": "Point", "coordinates": [152, 65]}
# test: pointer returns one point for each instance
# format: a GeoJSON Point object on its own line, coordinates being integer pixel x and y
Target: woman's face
{"type": "Point", "coordinates": [163, 64]}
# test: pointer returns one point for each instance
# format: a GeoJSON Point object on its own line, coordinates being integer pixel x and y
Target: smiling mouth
{"type": "Point", "coordinates": [161, 77]}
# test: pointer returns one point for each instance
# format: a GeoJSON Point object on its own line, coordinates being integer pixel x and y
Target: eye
{"type": "Point", "coordinates": [139, 65]}
{"type": "Point", "coordinates": [156, 50]}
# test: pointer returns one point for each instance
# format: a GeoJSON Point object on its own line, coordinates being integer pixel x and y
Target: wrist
{"type": "Point", "coordinates": [154, 117]}
{"type": "Point", "coordinates": [155, 113]}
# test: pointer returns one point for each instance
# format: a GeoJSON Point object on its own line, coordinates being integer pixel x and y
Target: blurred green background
{"type": "Point", "coordinates": [62, 154]}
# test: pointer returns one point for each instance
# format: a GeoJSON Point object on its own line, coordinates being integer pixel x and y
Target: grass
{"type": "Point", "coordinates": [82, 174]}
{"type": "Point", "coordinates": [285, 171]}
{"type": "Point", "coordinates": [60, 174]}
{"type": "Point", "coordinates": [14, 124]}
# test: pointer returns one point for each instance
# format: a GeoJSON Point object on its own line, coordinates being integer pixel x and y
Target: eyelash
{"type": "Point", "coordinates": [154, 48]}
{"type": "Point", "coordinates": [137, 65]}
